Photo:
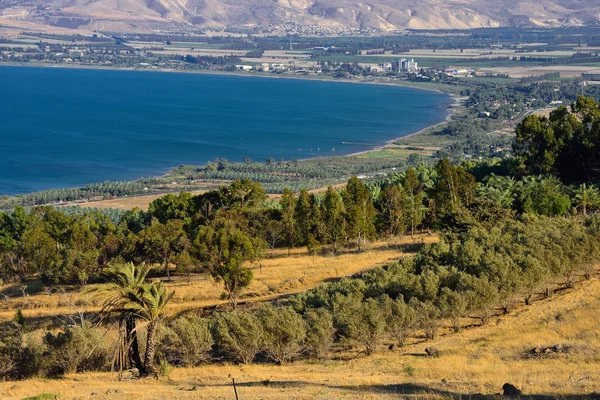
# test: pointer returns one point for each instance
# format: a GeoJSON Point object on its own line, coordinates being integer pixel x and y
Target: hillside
{"type": "Point", "coordinates": [477, 360]}
{"type": "Point", "coordinates": [384, 15]}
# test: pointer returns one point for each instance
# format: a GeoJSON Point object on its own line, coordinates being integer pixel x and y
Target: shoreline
{"type": "Point", "coordinates": [450, 107]}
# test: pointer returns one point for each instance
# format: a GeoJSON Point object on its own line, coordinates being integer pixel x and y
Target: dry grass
{"type": "Point", "coordinates": [478, 360]}
{"type": "Point", "coordinates": [129, 203]}
{"type": "Point", "coordinates": [281, 274]}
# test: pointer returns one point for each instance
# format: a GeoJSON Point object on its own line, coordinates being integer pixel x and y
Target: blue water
{"type": "Point", "coordinates": [69, 127]}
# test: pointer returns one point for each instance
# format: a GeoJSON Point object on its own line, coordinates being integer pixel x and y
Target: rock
{"type": "Point", "coordinates": [432, 352]}
{"type": "Point", "coordinates": [510, 390]}
{"type": "Point", "coordinates": [558, 348]}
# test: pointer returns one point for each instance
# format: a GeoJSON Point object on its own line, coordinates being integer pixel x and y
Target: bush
{"type": "Point", "coordinates": [31, 360]}
{"type": "Point", "coordinates": [364, 323]}
{"type": "Point", "coordinates": [238, 335]}
{"type": "Point", "coordinates": [191, 341]}
{"type": "Point", "coordinates": [285, 332]}
{"type": "Point", "coordinates": [77, 349]}
{"type": "Point", "coordinates": [11, 337]}
{"type": "Point", "coordinates": [401, 319]}
{"type": "Point", "coordinates": [320, 332]}
{"type": "Point", "coordinates": [428, 317]}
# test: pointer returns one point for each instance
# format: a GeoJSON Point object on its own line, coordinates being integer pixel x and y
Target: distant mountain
{"type": "Point", "coordinates": [145, 15]}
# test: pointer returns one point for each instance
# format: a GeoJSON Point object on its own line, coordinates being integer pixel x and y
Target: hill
{"type": "Point", "coordinates": [477, 360]}
{"type": "Point", "coordinates": [384, 15]}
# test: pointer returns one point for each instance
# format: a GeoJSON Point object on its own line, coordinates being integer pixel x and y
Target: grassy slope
{"type": "Point", "coordinates": [477, 361]}
{"type": "Point", "coordinates": [280, 275]}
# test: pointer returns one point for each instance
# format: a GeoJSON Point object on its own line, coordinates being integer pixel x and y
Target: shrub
{"type": "Point", "coordinates": [428, 317]}
{"type": "Point", "coordinates": [76, 349]}
{"type": "Point", "coordinates": [401, 320]}
{"type": "Point", "coordinates": [11, 337]}
{"type": "Point", "coordinates": [164, 368]}
{"type": "Point", "coordinates": [453, 306]}
{"type": "Point", "coordinates": [31, 360]}
{"type": "Point", "coordinates": [285, 332]}
{"type": "Point", "coordinates": [190, 341]}
{"type": "Point", "coordinates": [365, 323]}
{"type": "Point", "coordinates": [320, 332]}
{"type": "Point", "coordinates": [238, 335]}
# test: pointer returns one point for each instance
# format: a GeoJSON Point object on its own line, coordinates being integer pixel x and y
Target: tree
{"type": "Point", "coordinates": [239, 335]}
{"type": "Point", "coordinates": [566, 143]}
{"type": "Point", "coordinates": [284, 332]}
{"type": "Point", "coordinates": [243, 193]}
{"type": "Point", "coordinates": [123, 281]}
{"type": "Point", "coordinates": [224, 252]}
{"type": "Point", "coordinates": [162, 243]}
{"type": "Point", "coordinates": [454, 187]}
{"type": "Point", "coordinates": [429, 317]}
{"type": "Point", "coordinates": [414, 199]}
{"type": "Point", "coordinates": [391, 218]}
{"type": "Point", "coordinates": [320, 332]}
{"type": "Point", "coordinates": [586, 197]}
{"type": "Point", "coordinates": [149, 305]}
{"type": "Point", "coordinates": [302, 216]}
{"type": "Point", "coordinates": [401, 320]}
{"type": "Point", "coordinates": [40, 251]}
{"type": "Point", "coordinates": [192, 340]}
{"type": "Point", "coordinates": [543, 196]}
{"type": "Point", "coordinates": [274, 232]}
{"type": "Point", "coordinates": [288, 204]}
{"type": "Point", "coordinates": [170, 207]}
{"type": "Point", "coordinates": [363, 322]}
{"type": "Point", "coordinates": [453, 306]}
{"type": "Point", "coordinates": [537, 144]}
{"type": "Point", "coordinates": [359, 211]}
{"type": "Point", "coordinates": [333, 219]}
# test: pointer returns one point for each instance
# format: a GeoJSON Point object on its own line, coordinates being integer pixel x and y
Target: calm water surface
{"type": "Point", "coordinates": [70, 127]}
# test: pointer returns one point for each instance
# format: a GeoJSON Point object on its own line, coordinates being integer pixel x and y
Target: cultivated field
{"type": "Point", "coordinates": [566, 71]}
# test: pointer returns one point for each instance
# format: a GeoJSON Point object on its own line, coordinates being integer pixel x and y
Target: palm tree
{"type": "Point", "coordinates": [149, 304]}
{"type": "Point", "coordinates": [586, 196]}
{"type": "Point", "coordinates": [124, 280]}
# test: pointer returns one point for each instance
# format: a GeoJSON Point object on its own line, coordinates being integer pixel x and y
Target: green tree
{"type": "Point", "coordinates": [149, 304]}
{"type": "Point", "coordinates": [238, 335]}
{"type": "Point", "coordinates": [284, 332]}
{"type": "Point", "coordinates": [320, 333]}
{"type": "Point", "coordinates": [332, 214]}
{"type": "Point", "coordinates": [401, 320]}
{"type": "Point", "coordinates": [170, 207]}
{"type": "Point", "coordinates": [413, 200]}
{"type": "Point", "coordinates": [586, 197]}
{"type": "Point", "coordinates": [454, 187]}
{"type": "Point", "coordinates": [243, 193]}
{"type": "Point", "coordinates": [359, 211]}
{"type": "Point", "coordinates": [391, 219]}
{"type": "Point", "coordinates": [302, 216]}
{"type": "Point", "coordinates": [224, 252]}
{"type": "Point", "coordinates": [162, 243]}
{"type": "Point", "coordinates": [288, 204]}
{"type": "Point", "coordinates": [123, 282]}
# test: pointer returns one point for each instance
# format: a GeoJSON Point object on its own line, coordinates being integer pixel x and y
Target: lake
{"type": "Point", "coordinates": [62, 127]}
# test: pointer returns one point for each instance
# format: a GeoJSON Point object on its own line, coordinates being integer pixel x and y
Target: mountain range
{"type": "Point", "coordinates": [384, 15]}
